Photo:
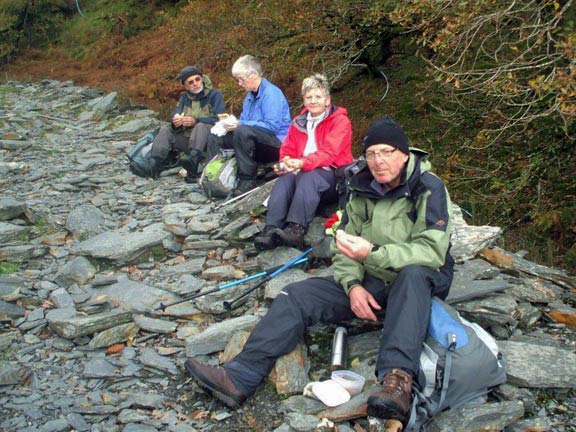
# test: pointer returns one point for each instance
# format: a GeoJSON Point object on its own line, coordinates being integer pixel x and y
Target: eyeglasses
{"type": "Point", "coordinates": [380, 154]}
{"type": "Point", "coordinates": [243, 79]}
{"type": "Point", "coordinates": [193, 80]}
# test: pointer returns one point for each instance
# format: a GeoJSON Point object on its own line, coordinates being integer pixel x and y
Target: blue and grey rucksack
{"type": "Point", "coordinates": [139, 155]}
{"type": "Point", "coordinates": [460, 363]}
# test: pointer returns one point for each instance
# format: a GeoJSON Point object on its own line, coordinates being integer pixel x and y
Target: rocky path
{"type": "Point", "coordinates": [88, 253]}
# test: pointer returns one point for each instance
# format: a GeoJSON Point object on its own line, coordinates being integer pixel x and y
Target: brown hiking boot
{"type": "Point", "coordinates": [216, 381]}
{"type": "Point", "coordinates": [393, 401]}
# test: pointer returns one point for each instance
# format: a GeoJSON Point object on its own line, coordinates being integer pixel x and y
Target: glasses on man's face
{"type": "Point", "coordinates": [371, 155]}
{"type": "Point", "coordinates": [193, 80]}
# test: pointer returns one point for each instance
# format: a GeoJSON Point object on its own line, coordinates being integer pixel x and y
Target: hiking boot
{"type": "Point", "coordinates": [245, 185]}
{"type": "Point", "coordinates": [393, 401]}
{"type": "Point", "coordinates": [267, 239]}
{"type": "Point", "coordinates": [155, 167]}
{"type": "Point", "coordinates": [215, 380]}
{"type": "Point", "coordinates": [292, 235]}
{"type": "Point", "coordinates": [190, 163]}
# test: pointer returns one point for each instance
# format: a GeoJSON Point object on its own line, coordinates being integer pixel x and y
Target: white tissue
{"type": "Point", "coordinates": [218, 128]}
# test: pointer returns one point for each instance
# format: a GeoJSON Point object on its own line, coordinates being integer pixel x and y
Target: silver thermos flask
{"type": "Point", "coordinates": [339, 349]}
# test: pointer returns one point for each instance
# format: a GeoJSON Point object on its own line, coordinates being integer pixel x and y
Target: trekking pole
{"type": "Point", "coordinates": [163, 306]}
{"type": "Point", "coordinates": [299, 258]}
{"type": "Point", "coordinates": [231, 200]}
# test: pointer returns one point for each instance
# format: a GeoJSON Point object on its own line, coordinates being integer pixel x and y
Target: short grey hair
{"type": "Point", "coordinates": [316, 81]}
{"type": "Point", "coordinates": [246, 65]}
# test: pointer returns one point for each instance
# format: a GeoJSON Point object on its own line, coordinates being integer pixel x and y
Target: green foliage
{"type": "Point", "coordinates": [8, 268]}
{"type": "Point", "coordinates": [102, 19]}
{"type": "Point", "coordinates": [26, 23]}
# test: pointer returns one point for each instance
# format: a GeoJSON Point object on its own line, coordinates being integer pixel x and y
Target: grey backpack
{"type": "Point", "coordinates": [218, 179]}
{"type": "Point", "coordinates": [460, 363]}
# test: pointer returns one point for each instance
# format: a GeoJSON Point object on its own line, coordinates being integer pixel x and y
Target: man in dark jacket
{"type": "Point", "coordinates": [197, 111]}
{"type": "Point", "coordinates": [391, 256]}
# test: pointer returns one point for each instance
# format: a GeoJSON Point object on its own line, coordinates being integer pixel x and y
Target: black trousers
{"type": "Point", "coordinates": [251, 146]}
{"type": "Point", "coordinates": [405, 313]}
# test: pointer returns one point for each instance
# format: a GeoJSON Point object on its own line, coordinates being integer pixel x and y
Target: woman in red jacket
{"type": "Point", "coordinates": [319, 140]}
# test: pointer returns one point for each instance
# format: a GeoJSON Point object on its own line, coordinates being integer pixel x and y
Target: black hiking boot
{"type": "Point", "coordinates": [190, 163]}
{"type": "Point", "coordinates": [245, 185]}
{"type": "Point", "coordinates": [267, 239]}
{"type": "Point", "coordinates": [156, 166]}
{"type": "Point", "coordinates": [393, 401]}
{"type": "Point", "coordinates": [292, 235]}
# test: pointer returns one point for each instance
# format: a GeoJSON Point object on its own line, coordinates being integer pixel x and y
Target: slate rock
{"type": "Point", "coordinates": [215, 337]}
{"type": "Point", "coordinates": [537, 366]}
{"type": "Point", "coordinates": [85, 221]}
{"type": "Point", "coordinates": [10, 207]}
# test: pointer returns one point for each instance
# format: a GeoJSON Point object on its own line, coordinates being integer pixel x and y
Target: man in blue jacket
{"type": "Point", "coordinates": [197, 111]}
{"type": "Point", "coordinates": [263, 123]}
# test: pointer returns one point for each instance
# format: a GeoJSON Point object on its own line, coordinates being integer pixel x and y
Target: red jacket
{"type": "Point", "coordinates": [333, 139]}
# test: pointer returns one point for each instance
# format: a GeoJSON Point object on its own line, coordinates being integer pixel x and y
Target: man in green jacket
{"type": "Point", "coordinates": [391, 256]}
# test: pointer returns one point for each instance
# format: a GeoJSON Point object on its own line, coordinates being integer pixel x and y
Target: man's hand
{"type": "Point", "coordinates": [177, 120]}
{"type": "Point", "coordinates": [352, 246]}
{"type": "Point", "coordinates": [188, 121]}
{"type": "Point", "coordinates": [363, 303]}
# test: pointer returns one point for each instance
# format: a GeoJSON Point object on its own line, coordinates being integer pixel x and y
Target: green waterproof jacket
{"type": "Point", "coordinates": [409, 225]}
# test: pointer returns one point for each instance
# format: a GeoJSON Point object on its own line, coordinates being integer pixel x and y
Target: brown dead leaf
{"type": "Point", "coordinates": [115, 349]}
{"type": "Point", "coordinates": [199, 415]}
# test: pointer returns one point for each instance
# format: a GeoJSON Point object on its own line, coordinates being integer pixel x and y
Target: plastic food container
{"type": "Point", "coordinates": [351, 381]}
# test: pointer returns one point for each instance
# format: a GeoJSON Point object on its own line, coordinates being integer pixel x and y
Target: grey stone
{"type": "Point", "coordinates": [134, 296]}
{"type": "Point", "coordinates": [215, 337]}
{"type": "Point", "coordinates": [149, 357]}
{"type": "Point", "coordinates": [155, 325]}
{"type": "Point", "coordinates": [10, 289]}
{"type": "Point", "coordinates": [10, 232]}
{"type": "Point", "coordinates": [21, 253]}
{"type": "Point", "coordinates": [100, 368]}
{"type": "Point", "coordinates": [77, 422]}
{"type": "Point", "coordinates": [62, 299]}
{"type": "Point", "coordinates": [538, 366]}
{"type": "Point", "coordinates": [494, 416]}
{"type": "Point", "coordinates": [114, 335]}
{"type": "Point", "coordinates": [120, 247]}
{"type": "Point", "coordinates": [10, 207]}
{"type": "Point", "coordinates": [11, 310]}
{"type": "Point", "coordinates": [85, 221]}
{"type": "Point", "coordinates": [81, 326]}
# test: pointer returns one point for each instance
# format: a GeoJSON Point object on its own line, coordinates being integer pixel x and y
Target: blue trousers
{"type": "Point", "coordinates": [405, 314]}
{"type": "Point", "coordinates": [295, 197]}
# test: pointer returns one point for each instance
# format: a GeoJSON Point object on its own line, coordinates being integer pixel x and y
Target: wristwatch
{"type": "Point", "coordinates": [351, 284]}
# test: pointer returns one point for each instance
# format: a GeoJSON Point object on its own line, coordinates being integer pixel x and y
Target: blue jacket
{"type": "Point", "coordinates": [268, 110]}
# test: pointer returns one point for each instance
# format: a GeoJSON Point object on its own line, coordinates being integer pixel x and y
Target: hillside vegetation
{"type": "Point", "coordinates": [488, 87]}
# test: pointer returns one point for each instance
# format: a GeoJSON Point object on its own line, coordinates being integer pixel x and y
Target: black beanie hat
{"type": "Point", "coordinates": [189, 71]}
{"type": "Point", "coordinates": [386, 131]}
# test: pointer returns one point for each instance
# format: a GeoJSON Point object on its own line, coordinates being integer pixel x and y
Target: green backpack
{"type": "Point", "coordinates": [219, 176]}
